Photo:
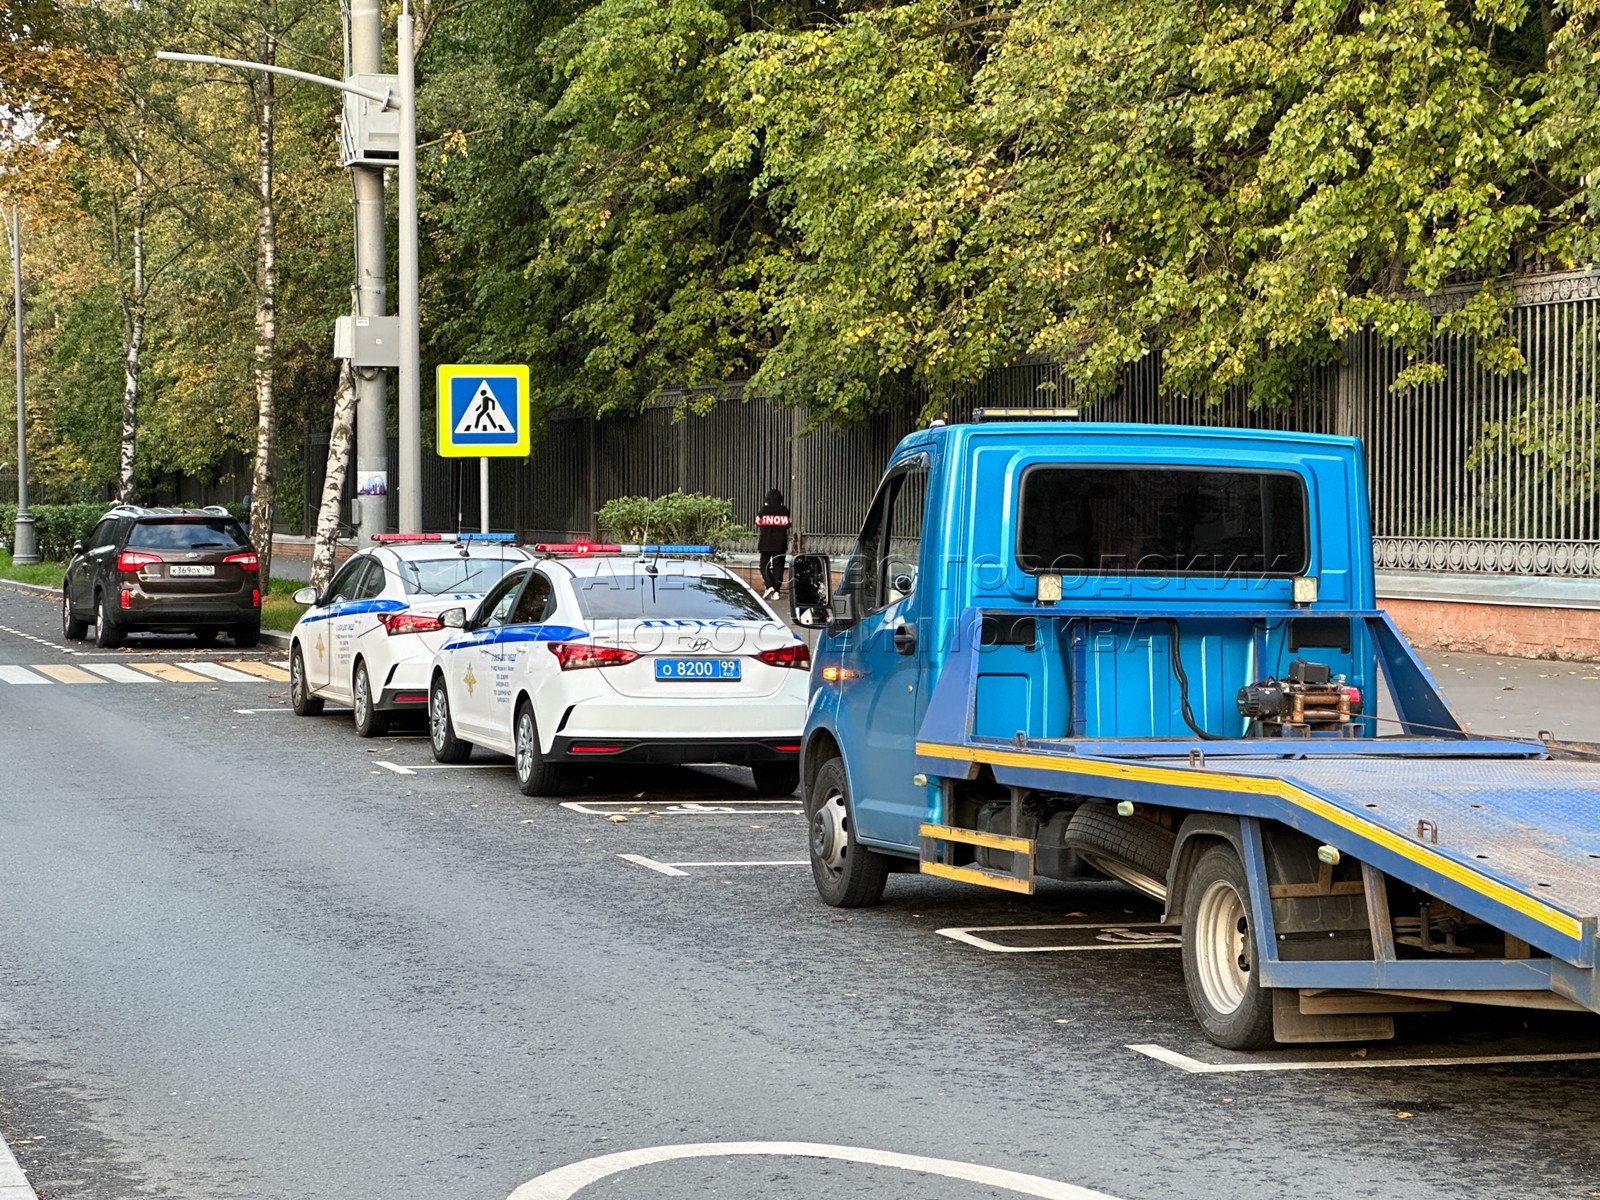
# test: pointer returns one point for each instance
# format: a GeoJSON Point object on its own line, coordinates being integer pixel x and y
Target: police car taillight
{"type": "Point", "coordinates": [131, 560]}
{"type": "Point", "coordinates": [797, 656]}
{"type": "Point", "coordinates": [408, 622]}
{"type": "Point", "coordinates": [575, 656]}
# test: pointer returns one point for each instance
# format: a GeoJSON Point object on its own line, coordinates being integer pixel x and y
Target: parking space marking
{"type": "Point", "coordinates": [215, 670]}
{"type": "Point", "coordinates": [170, 672]}
{"type": "Point", "coordinates": [67, 673]}
{"type": "Point", "coordinates": [687, 808]}
{"type": "Point", "coordinates": [565, 1182]}
{"type": "Point", "coordinates": [398, 769]}
{"type": "Point", "coordinates": [1195, 1067]}
{"type": "Point", "coordinates": [672, 868]}
{"type": "Point", "coordinates": [1128, 935]}
{"type": "Point", "coordinates": [261, 670]}
{"type": "Point", "coordinates": [19, 675]}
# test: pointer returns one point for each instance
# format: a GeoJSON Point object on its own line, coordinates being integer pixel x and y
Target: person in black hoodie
{"type": "Point", "coordinates": [772, 525]}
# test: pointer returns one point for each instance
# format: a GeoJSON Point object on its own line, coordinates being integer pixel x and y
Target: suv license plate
{"type": "Point", "coordinates": [180, 569]}
{"type": "Point", "coordinates": [697, 670]}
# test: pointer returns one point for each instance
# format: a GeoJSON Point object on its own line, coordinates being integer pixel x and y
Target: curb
{"type": "Point", "coordinates": [270, 637]}
{"type": "Point", "coordinates": [14, 1183]}
{"type": "Point", "coordinates": [38, 589]}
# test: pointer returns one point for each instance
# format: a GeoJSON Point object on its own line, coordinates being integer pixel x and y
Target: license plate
{"type": "Point", "coordinates": [179, 569]}
{"type": "Point", "coordinates": [697, 670]}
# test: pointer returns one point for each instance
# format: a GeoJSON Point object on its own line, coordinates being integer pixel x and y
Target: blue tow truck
{"type": "Point", "coordinates": [1065, 650]}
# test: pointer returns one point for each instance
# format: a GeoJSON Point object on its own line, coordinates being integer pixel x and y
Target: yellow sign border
{"type": "Point", "coordinates": [446, 444]}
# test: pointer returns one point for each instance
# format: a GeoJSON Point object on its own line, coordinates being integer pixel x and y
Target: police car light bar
{"type": "Point", "coordinates": [384, 538]}
{"type": "Point", "coordinates": [615, 548]}
{"type": "Point", "coordinates": [667, 549]}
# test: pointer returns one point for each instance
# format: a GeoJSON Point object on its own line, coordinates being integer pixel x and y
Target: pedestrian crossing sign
{"type": "Point", "coordinates": [483, 411]}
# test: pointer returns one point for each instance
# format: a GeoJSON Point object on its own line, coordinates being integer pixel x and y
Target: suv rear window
{"type": "Point", "coordinates": [1088, 520]}
{"type": "Point", "coordinates": [220, 533]}
{"type": "Point", "coordinates": [440, 576]}
{"type": "Point", "coordinates": [666, 597]}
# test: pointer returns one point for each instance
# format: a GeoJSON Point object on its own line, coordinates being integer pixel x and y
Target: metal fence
{"type": "Point", "coordinates": [1480, 473]}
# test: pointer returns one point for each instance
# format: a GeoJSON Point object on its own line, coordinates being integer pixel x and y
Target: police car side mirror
{"type": "Point", "coordinates": [305, 596]}
{"type": "Point", "coordinates": [810, 591]}
{"type": "Point", "coordinates": [453, 618]}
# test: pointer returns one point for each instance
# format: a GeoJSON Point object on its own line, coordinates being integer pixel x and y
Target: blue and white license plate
{"type": "Point", "coordinates": [697, 670]}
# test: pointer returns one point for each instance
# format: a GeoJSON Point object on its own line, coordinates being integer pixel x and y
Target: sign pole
{"type": "Point", "coordinates": [483, 495]}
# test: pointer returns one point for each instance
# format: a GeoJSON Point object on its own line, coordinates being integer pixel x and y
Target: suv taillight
{"type": "Point", "coordinates": [132, 560]}
{"type": "Point", "coordinates": [405, 622]}
{"type": "Point", "coordinates": [247, 562]}
{"type": "Point", "coordinates": [574, 656]}
{"type": "Point", "coordinates": [797, 656]}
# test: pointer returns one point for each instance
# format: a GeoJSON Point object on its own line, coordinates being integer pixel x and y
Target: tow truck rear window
{"type": "Point", "coordinates": [1152, 520]}
{"type": "Point", "coordinates": [667, 597]}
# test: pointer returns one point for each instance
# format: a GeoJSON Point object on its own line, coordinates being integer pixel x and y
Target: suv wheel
{"type": "Point", "coordinates": [106, 635]}
{"type": "Point", "coordinates": [369, 721]}
{"type": "Point", "coordinates": [247, 636]}
{"type": "Point", "coordinates": [72, 629]}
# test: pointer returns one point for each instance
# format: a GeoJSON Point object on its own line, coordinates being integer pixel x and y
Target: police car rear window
{"type": "Point", "coordinates": [223, 533]}
{"type": "Point", "coordinates": [667, 596]}
{"type": "Point", "coordinates": [441, 576]}
{"type": "Point", "coordinates": [1153, 520]}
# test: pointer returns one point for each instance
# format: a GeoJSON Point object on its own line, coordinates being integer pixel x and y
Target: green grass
{"type": "Point", "coordinates": [47, 573]}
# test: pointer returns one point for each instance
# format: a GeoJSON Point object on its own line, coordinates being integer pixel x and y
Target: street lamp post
{"type": "Point", "coordinates": [24, 547]}
{"type": "Point", "coordinates": [402, 100]}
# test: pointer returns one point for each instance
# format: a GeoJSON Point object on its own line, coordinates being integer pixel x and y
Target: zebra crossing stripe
{"type": "Point", "coordinates": [261, 670]}
{"type": "Point", "coordinates": [67, 673]}
{"type": "Point", "coordinates": [169, 672]}
{"type": "Point", "coordinates": [217, 671]}
{"type": "Point", "coordinates": [116, 672]}
{"type": "Point", "coordinates": [19, 675]}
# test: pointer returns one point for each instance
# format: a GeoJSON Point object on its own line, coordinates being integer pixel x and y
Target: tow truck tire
{"type": "Point", "coordinates": [1219, 954]}
{"type": "Point", "coordinates": [369, 721]}
{"type": "Point", "coordinates": [536, 776]}
{"type": "Point", "coordinates": [300, 697]}
{"type": "Point", "coordinates": [447, 747]}
{"type": "Point", "coordinates": [106, 635]}
{"type": "Point", "coordinates": [776, 778]}
{"type": "Point", "coordinates": [1129, 849]}
{"type": "Point", "coordinates": [848, 875]}
{"type": "Point", "coordinates": [72, 629]}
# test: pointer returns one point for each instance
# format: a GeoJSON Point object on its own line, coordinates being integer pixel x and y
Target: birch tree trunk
{"type": "Point", "coordinates": [339, 447]}
{"type": "Point", "coordinates": [266, 298]}
{"type": "Point", "coordinates": [133, 342]}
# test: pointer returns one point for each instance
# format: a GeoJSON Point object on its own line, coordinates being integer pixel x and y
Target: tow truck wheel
{"type": "Point", "coordinates": [536, 776]}
{"type": "Point", "coordinates": [1128, 849]}
{"type": "Point", "coordinates": [300, 697]}
{"type": "Point", "coordinates": [447, 747]}
{"type": "Point", "coordinates": [848, 875]}
{"type": "Point", "coordinates": [369, 721]}
{"type": "Point", "coordinates": [1219, 954]}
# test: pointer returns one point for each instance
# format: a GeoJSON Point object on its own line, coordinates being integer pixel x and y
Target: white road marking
{"type": "Point", "coordinates": [57, 647]}
{"type": "Point", "coordinates": [1133, 935]}
{"type": "Point", "coordinates": [214, 670]}
{"type": "Point", "coordinates": [652, 864]}
{"type": "Point", "coordinates": [415, 767]}
{"type": "Point", "coordinates": [260, 712]}
{"type": "Point", "coordinates": [1195, 1067]}
{"type": "Point", "coordinates": [20, 675]}
{"type": "Point", "coordinates": [604, 808]}
{"type": "Point", "coordinates": [117, 673]}
{"type": "Point", "coordinates": [565, 1182]}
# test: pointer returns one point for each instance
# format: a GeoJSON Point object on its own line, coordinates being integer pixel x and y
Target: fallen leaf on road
{"type": "Point", "coordinates": [617, 819]}
{"type": "Point", "coordinates": [529, 821]}
{"type": "Point", "coordinates": [1404, 1116]}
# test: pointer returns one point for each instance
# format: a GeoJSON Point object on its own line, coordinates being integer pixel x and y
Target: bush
{"type": "Point", "coordinates": [55, 526]}
{"type": "Point", "coordinates": [678, 518]}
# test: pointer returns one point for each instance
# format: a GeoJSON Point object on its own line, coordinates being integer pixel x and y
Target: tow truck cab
{"type": "Point", "coordinates": [1062, 649]}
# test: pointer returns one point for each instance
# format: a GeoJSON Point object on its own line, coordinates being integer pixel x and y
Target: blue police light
{"type": "Point", "coordinates": [486, 537]}
{"type": "Point", "coordinates": [667, 549]}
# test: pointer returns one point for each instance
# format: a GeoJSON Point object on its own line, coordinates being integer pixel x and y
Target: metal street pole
{"type": "Point", "coordinates": [372, 383]}
{"type": "Point", "coordinates": [24, 549]}
{"type": "Point", "coordinates": [410, 399]}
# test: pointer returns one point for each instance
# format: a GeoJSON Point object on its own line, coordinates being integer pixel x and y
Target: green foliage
{"type": "Point", "coordinates": [55, 526]}
{"type": "Point", "coordinates": [678, 518]}
{"type": "Point", "coordinates": [47, 573]}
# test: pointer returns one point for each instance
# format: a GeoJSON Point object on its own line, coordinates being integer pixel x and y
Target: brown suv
{"type": "Point", "coordinates": [172, 570]}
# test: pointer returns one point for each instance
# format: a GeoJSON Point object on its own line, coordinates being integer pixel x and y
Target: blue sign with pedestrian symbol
{"type": "Point", "coordinates": [483, 411]}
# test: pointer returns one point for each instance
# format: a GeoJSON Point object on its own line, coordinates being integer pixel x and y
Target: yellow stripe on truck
{"type": "Point", "coordinates": [1529, 906]}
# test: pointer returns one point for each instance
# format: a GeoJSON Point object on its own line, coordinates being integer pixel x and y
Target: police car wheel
{"type": "Point", "coordinates": [535, 775]}
{"type": "Point", "coordinates": [72, 629]}
{"type": "Point", "coordinates": [847, 874]}
{"type": "Point", "coordinates": [447, 747]}
{"type": "Point", "coordinates": [300, 697]}
{"type": "Point", "coordinates": [369, 721]}
{"type": "Point", "coordinates": [106, 635]}
{"type": "Point", "coordinates": [1219, 954]}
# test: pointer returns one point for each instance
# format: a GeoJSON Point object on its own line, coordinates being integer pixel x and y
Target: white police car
{"type": "Point", "coordinates": [368, 640]}
{"type": "Point", "coordinates": [611, 654]}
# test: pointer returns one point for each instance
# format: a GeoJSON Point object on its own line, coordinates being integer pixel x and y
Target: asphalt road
{"type": "Point", "coordinates": [244, 954]}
